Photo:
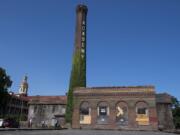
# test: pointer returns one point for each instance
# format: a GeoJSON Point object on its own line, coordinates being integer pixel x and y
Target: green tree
{"type": "Point", "coordinates": [5, 83]}
{"type": "Point", "coordinates": [77, 79]}
{"type": "Point", "coordinates": [176, 112]}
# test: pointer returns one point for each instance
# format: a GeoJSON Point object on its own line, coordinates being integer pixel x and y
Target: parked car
{"type": "Point", "coordinates": [10, 123]}
{"type": "Point", "coordinates": [1, 122]}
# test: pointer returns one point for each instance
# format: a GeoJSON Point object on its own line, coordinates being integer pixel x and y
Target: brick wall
{"type": "Point", "coordinates": [112, 101]}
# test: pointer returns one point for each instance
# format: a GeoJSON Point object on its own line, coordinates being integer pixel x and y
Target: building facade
{"type": "Point", "coordinates": [164, 111]}
{"type": "Point", "coordinates": [47, 111]}
{"type": "Point", "coordinates": [17, 106]}
{"type": "Point", "coordinates": [131, 108]}
{"type": "Point", "coordinates": [115, 108]}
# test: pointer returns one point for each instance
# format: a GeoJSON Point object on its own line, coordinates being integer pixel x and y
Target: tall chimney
{"type": "Point", "coordinates": [80, 44]}
{"type": "Point", "coordinates": [78, 71]}
{"type": "Point", "coordinates": [80, 34]}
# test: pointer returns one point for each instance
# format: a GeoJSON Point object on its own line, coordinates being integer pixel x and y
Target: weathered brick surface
{"type": "Point", "coordinates": [165, 118]}
{"type": "Point", "coordinates": [46, 113]}
{"type": "Point", "coordinates": [113, 97]}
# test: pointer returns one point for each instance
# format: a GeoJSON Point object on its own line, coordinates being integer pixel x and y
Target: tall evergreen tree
{"type": "Point", "coordinates": [5, 83]}
{"type": "Point", "coordinates": [78, 72]}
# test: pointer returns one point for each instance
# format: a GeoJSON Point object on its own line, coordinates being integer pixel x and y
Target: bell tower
{"type": "Point", "coordinates": [23, 90]}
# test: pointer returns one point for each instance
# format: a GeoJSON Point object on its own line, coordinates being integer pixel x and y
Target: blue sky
{"type": "Point", "coordinates": [129, 42]}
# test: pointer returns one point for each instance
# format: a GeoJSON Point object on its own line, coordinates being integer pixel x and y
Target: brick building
{"type": "Point", "coordinates": [47, 110]}
{"type": "Point", "coordinates": [17, 106]}
{"type": "Point", "coordinates": [131, 107]}
{"type": "Point", "coordinates": [121, 108]}
{"type": "Point", "coordinates": [164, 112]}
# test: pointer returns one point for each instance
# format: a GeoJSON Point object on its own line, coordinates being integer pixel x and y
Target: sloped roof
{"type": "Point", "coordinates": [47, 99]}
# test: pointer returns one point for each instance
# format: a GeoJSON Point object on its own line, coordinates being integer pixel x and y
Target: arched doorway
{"type": "Point", "coordinates": [85, 113]}
{"type": "Point", "coordinates": [102, 113]}
{"type": "Point", "coordinates": [122, 114]}
{"type": "Point", "coordinates": [142, 113]}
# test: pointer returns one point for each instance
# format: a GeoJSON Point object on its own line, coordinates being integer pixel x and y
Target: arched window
{"type": "Point", "coordinates": [85, 113]}
{"type": "Point", "coordinates": [103, 113]}
{"type": "Point", "coordinates": [142, 113]}
{"type": "Point", "coordinates": [122, 114]}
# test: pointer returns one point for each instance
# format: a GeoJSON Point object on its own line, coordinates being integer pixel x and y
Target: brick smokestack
{"type": "Point", "coordinates": [78, 71]}
{"type": "Point", "coordinates": [80, 33]}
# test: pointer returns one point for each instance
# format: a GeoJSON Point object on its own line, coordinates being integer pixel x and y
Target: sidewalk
{"type": "Point", "coordinates": [15, 129]}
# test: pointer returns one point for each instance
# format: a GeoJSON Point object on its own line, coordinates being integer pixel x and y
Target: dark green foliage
{"type": "Point", "coordinates": [78, 79]}
{"type": "Point", "coordinates": [176, 112]}
{"type": "Point", "coordinates": [83, 72]}
{"type": "Point", "coordinates": [5, 83]}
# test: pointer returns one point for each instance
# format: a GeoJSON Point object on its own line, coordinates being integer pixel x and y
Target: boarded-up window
{"type": "Point", "coordinates": [103, 113]}
{"type": "Point", "coordinates": [142, 114]}
{"type": "Point", "coordinates": [122, 114]}
{"type": "Point", "coordinates": [85, 113]}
